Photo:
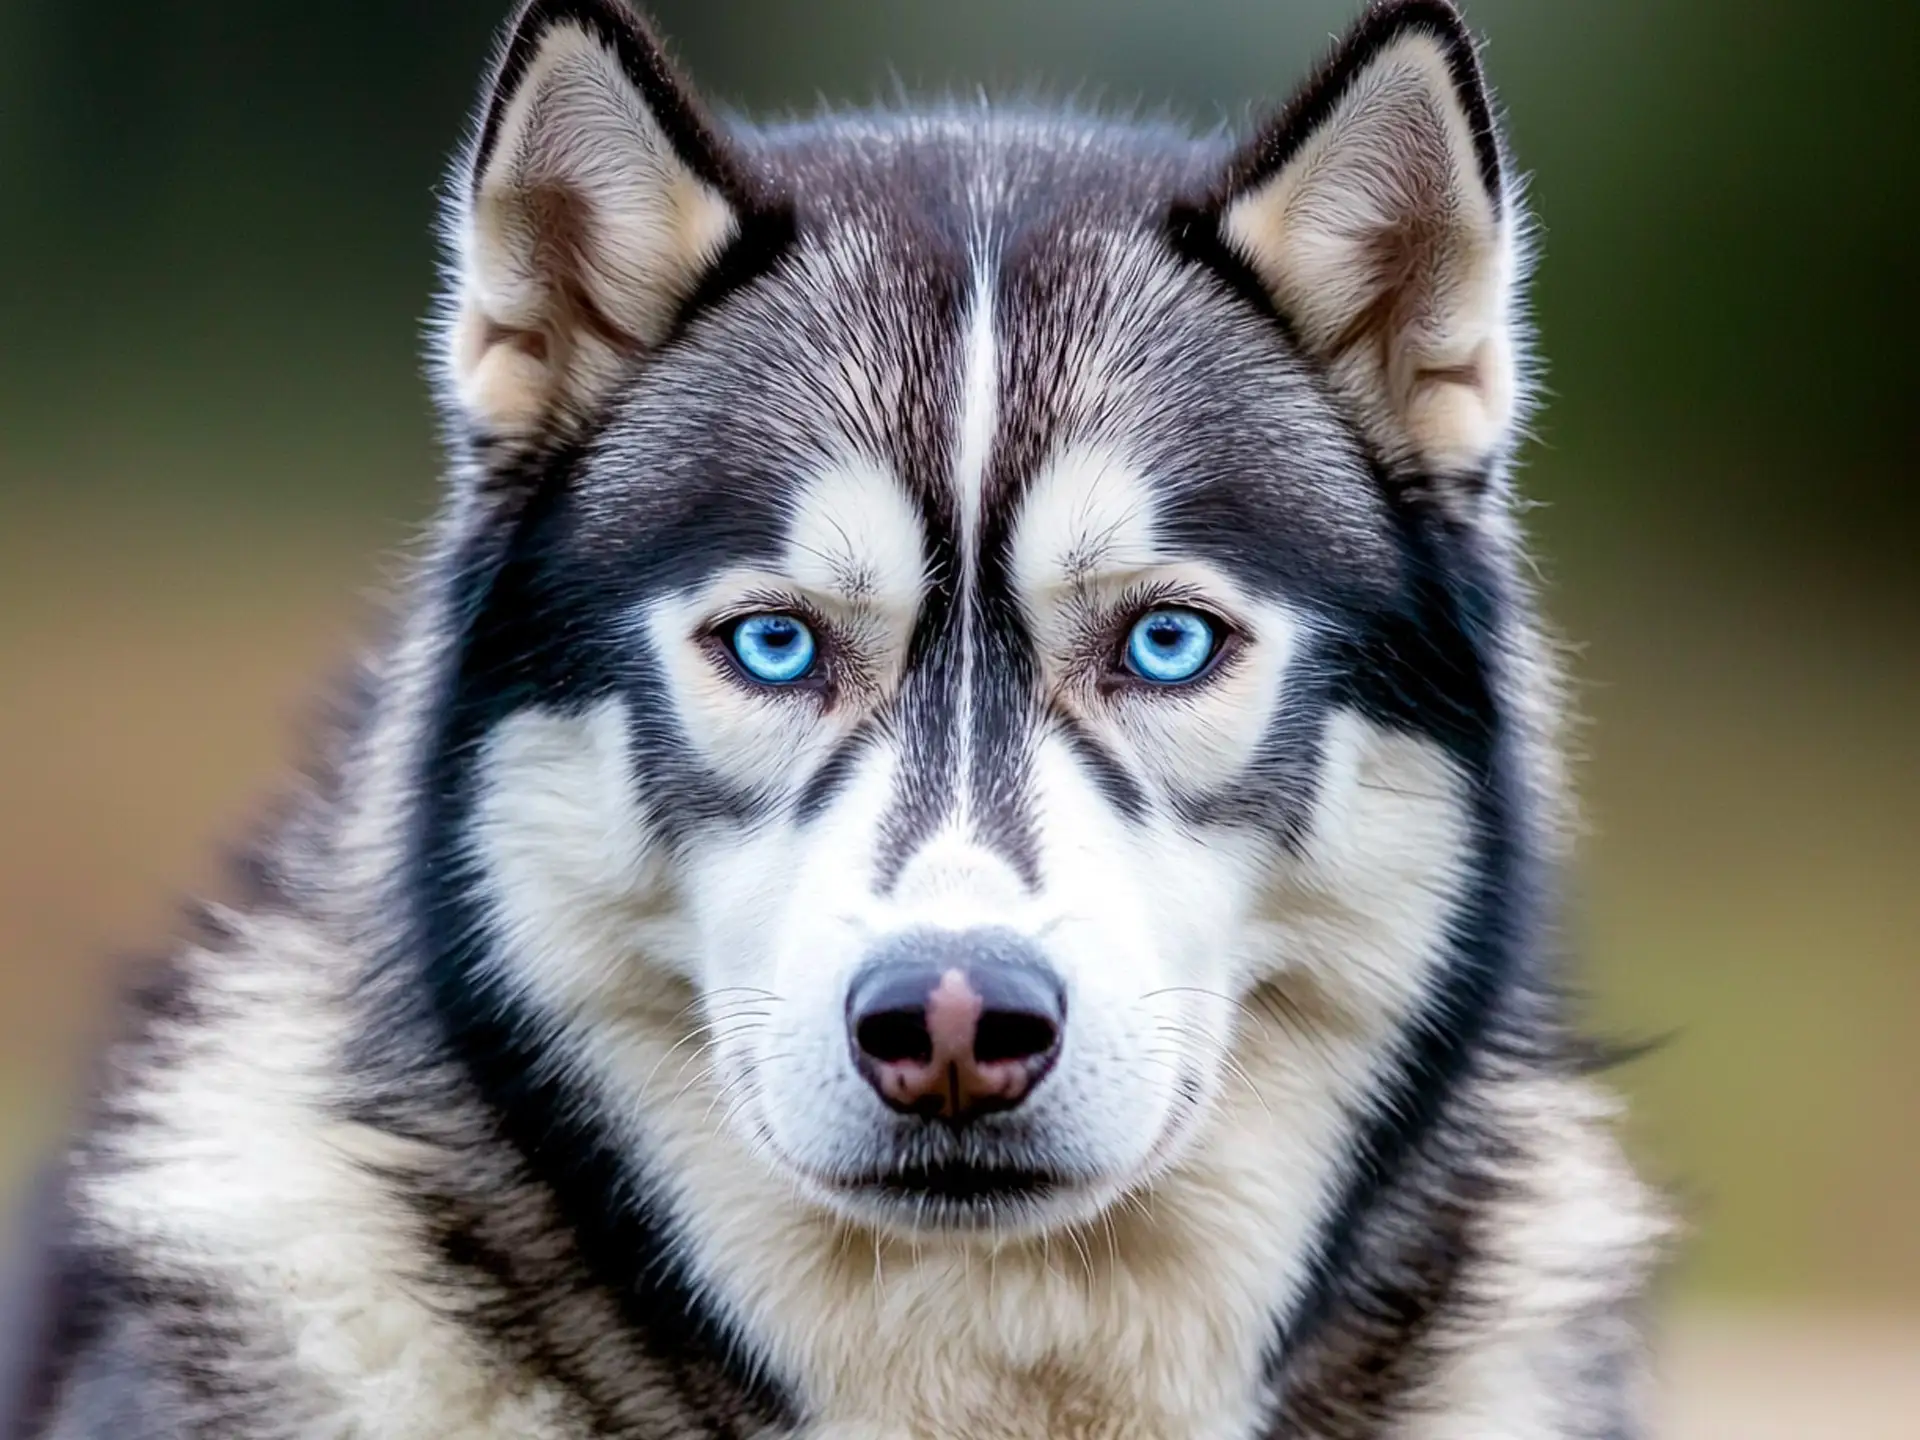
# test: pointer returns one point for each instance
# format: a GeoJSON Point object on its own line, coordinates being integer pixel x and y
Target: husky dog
{"type": "Point", "coordinates": [957, 838]}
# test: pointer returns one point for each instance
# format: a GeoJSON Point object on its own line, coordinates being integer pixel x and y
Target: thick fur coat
{"type": "Point", "coordinates": [1056, 555]}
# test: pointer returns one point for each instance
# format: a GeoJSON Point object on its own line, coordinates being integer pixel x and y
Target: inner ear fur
{"type": "Point", "coordinates": [1374, 212]}
{"type": "Point", "coordinates": [594, 200]}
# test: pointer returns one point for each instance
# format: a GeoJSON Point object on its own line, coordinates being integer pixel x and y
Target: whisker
{"type": "Point", "coordinates": [1239, 1005]}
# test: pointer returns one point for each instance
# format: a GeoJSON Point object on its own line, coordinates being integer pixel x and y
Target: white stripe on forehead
{"type": "Point", "coordinates": [979, 406]}
{"type": "Point", "coordinates": [979, 420]}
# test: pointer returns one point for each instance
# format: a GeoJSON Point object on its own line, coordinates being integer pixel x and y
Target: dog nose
{"type": "Point", "coordinates": [956, 1024]}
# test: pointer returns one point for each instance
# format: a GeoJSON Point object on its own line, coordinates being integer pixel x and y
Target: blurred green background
{"type": "Point", "coordinates": [217, 245]}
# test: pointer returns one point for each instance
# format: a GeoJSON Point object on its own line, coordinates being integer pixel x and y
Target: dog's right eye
{"type": "Point", "coordinates": [773, 649]}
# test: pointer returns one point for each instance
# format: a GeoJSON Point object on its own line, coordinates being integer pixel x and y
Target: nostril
{"type": "Point", "coordinates": [894, 1036]}
{"type": "Point", "coordinates": [1013, 1035]}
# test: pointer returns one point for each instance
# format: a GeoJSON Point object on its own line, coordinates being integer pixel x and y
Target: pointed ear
{"type": "Point", "coordinates": [595, 199]}
{"type": "Point", "coordinates": [1374, 213]}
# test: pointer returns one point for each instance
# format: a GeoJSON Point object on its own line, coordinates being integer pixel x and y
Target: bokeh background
{"type": "Point", "coordinates": [215, 247]}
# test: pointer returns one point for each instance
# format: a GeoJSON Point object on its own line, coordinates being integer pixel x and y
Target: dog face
{"type": "Point", "coordinates": [952, 627]}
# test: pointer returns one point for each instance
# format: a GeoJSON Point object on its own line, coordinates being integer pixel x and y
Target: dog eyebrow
{"type": "Point", "coordinates": [852, 532]}
{"type": "Point", "coordinates": [855, 576]}
{"type": "Point", "coordinates": [770, 585]}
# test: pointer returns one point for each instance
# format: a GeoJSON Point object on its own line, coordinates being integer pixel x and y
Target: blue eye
{"type": "Point", "coordinates": [1171, 647]}
{"type": "Point", "coordinates": [773, 649]}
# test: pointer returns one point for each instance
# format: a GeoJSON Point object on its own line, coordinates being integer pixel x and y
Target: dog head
{"type": "Point", "coordinates": [969, 624]}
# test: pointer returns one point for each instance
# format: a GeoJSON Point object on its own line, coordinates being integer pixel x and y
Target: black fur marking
{"type": "Point", "coordinates": [924, 716]}
{"type": "Point", "coordinates": [136, 1350]}
{"type": "Point", "coordinates": [1193, 230]}
{"type": "Point", "coordinates": [1123, 792]}
{"type": "Point", "coordinates": [767, 233]}
{"type": "Point", "coordinates": [835, 773]}
{"type": "Point", "coordinates": [1275, 793]}
{"type": "Point", "coordinates": [1346, 1375]}
{"type": "Point", "coordinates": [1386, 1262]}
{"type": "Point", "coordinates": [929, 714]}
{"type": "Point", "coordinates": [1004, 720]}
{"type": "Point", "coordinates": [528, 636]}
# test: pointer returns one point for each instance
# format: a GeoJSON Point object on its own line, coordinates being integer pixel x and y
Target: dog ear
{"type": "Point", "coordinates": [593, 201]}
{"type": "Point", "coordinates": [1374, 214]}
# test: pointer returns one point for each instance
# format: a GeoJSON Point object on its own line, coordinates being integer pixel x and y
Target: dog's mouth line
{"type": "Point", "coordinates": [956, 1182]}
{"type": "Point", "coordinates": [961, 1184]}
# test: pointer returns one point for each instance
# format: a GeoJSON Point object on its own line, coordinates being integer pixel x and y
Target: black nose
{"type": "Point", "coordinates": [955, 1023]}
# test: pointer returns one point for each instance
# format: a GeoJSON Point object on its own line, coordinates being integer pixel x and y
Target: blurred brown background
{"type": "Point", "coordinates": [216, 247]}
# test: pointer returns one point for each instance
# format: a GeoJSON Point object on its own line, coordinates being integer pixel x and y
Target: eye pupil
{"type": "Point", "coordinates": [1172, 647]}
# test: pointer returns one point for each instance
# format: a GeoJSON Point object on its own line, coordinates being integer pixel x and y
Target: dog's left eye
{"type": "Point", "coordinates": [773, 649]}
{"type": "Point", "coordinates": [1171, 647]}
